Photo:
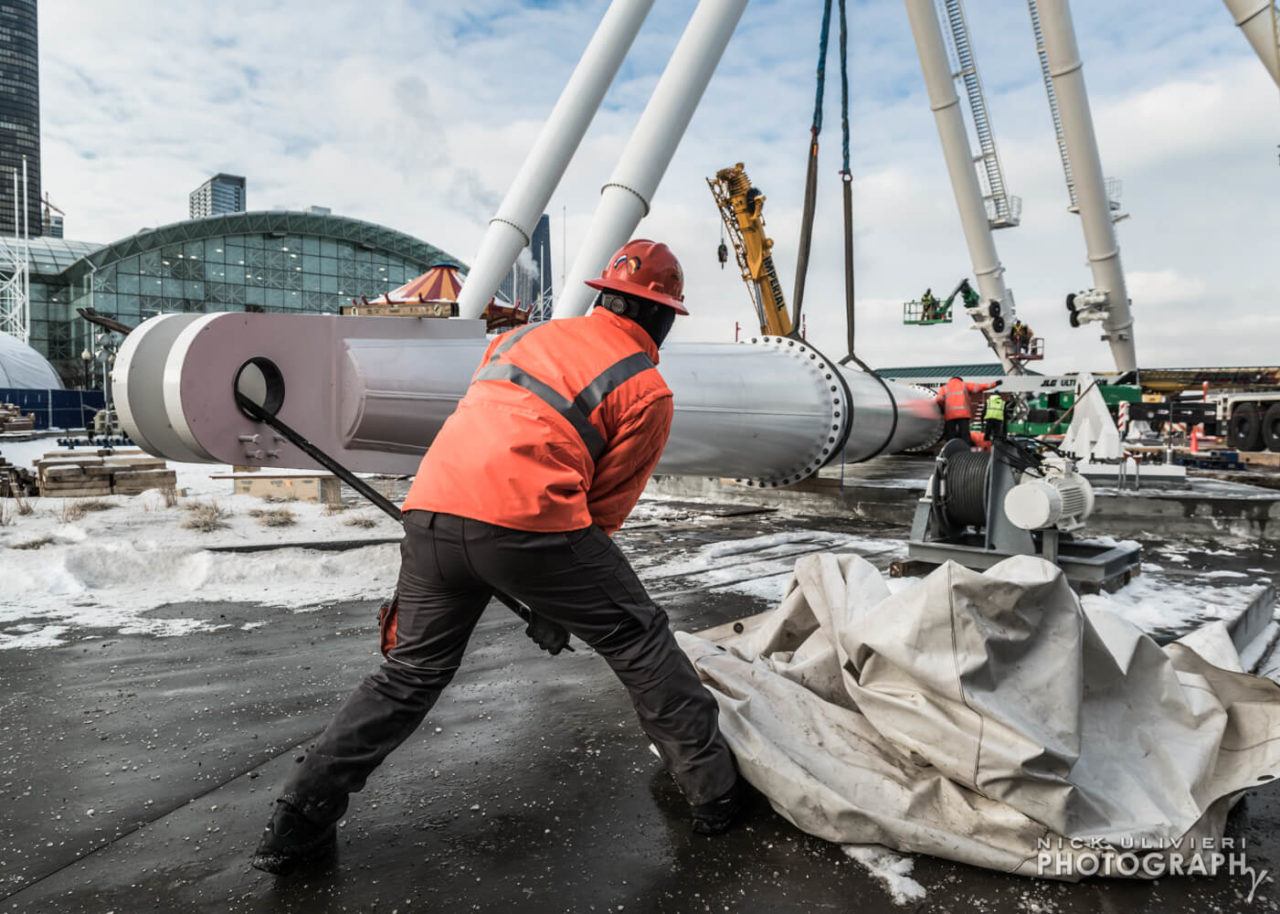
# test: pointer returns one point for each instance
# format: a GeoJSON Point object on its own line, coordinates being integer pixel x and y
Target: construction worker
{"type": "Point", "coordinates": [957, 407]}
{"type": "Point", "coordinates": [993, 422]}
{"type": "Point", "coordinates": [544, 458]}
{"type": "Point", "coordinates": [1020, 337]}
{"type": "Point", "coordinates": [928, 305]}
{"type": "Point", "coordinates": [1027, 335]}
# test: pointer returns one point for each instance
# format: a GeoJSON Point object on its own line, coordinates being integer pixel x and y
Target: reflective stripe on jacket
{"type": "Point", "coordinates": [560, 429]}
{"type": "Point", "coordinates": [954, 397]}
{"type": "Point", "coordinates": [994, 408]}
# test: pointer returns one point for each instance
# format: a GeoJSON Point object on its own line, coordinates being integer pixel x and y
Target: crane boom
{"type": "Point", "coordinates": [997, 317]}
{"type": "Point", "coordinates": [742, 209]}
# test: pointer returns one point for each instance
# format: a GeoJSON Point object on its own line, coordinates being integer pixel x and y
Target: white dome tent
{"type": "Point", "coordinates": [23, 368]}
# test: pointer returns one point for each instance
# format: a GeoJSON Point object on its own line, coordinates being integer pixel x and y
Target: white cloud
{"type": "Point", "coordinates": [416, 114]}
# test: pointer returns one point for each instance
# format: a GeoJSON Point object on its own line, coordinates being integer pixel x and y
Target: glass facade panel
{"type": "Point", "coordinates": [167, 271]}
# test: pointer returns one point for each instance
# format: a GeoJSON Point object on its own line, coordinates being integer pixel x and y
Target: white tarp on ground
{"type": "Point", "coordinates": [976, 716]}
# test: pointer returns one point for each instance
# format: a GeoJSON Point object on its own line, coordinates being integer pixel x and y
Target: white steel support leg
{"type": "Point", "coordinates": [1256, 20]}
{"type": "Point", "coordinates": [1067, 73]}
{"type": "Point", "coordinates": [624, 201]}
{"type": "Point", "coordinates": [510, 230]}
{"type": "Point", "coordinates": [941, 86]}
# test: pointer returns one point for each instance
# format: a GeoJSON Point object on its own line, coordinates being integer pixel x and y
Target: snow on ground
{"type": "Point", "coordinates": [759, 566]}
{"type": "Point", "coordinates": [1158, 605]}
{"type": "Point", "coordinates": [769, 547]}
{"type": "Point", "coordinates": [50, 593]}
{"type": "Point", "coordinates": [892, 869]}
{"type": "Point", "coordinates": [64, 574]}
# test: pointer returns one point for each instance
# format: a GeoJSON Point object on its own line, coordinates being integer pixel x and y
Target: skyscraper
{"type": "Point", "coordinates": [220, 194]}
{"type": "Point", "coordinates": [540, 248]}
{"type": "Point", "coordinates": [19, 111]}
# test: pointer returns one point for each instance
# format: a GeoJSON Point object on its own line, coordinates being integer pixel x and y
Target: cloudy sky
{"type": "Point", "coordinates": [416, 114]}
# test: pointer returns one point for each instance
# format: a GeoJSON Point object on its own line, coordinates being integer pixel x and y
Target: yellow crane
{"type": "Point", "coordinates": [741, 207]}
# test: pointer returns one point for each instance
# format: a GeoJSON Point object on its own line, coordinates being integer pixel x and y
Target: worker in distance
{"type": "Point", "coordinates": [544, 458]}
{"type": "Point", "coordinates": [956, 399]}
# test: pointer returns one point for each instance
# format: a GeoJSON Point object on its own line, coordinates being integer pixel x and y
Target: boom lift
{"type": "Point", "coordinates": [927, 310]}
{"type": "Point", "coordinates": [742, 209]}
{"type": "Point", "coordinates": [978, 182]}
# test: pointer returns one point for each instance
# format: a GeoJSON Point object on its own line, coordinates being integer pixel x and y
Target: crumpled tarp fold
{"type": "Point", "coordinates": [981, 717]}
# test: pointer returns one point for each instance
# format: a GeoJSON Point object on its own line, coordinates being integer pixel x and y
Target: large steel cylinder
{"type": "Point", "coordinates": [373, 392]}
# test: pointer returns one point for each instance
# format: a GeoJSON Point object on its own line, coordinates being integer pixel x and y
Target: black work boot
{"type": "Point", "coordinates": [292, 838]}
{"type": "Point", "coordinates": [716, 816]}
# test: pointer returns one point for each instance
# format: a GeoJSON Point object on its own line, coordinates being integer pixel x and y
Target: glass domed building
{"type": "Point", "coordinates": [303, 262]}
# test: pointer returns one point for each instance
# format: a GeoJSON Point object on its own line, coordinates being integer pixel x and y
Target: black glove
{"type": "Point", "coordinates": [551, 636]}
{"type": "Point", "coordinates": [997, 382]}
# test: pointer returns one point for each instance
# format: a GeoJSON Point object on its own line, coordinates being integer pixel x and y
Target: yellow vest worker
{"type": "Point", "coordinates": [995, 407]}
{"type": "Point", "coordinates": [993, 417]}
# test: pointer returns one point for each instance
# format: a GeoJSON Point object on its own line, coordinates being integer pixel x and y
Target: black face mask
{"type": "Point", "coordinates": [657, 321]}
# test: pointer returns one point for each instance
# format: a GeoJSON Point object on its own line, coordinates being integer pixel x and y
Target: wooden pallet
{"type": "Point", "coordinates": [1261, 458]}
{"type": "Point", "coordinates": [67, 474]}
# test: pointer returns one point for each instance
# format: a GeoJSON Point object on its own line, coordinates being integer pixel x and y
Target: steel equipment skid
{"type": "Point", "coordinates": [980, 535]}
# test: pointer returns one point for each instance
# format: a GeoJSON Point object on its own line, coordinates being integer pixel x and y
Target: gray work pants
{"type": "Point", "coordinates": [449, 568]}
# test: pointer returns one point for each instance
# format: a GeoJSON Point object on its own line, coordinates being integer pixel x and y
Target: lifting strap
{"type": "Point", "coordinates": [577, 412]}
{"type": "Point", "coordinates": [811, 178]}
{"type": "Point", "coordinates": [810, 199]}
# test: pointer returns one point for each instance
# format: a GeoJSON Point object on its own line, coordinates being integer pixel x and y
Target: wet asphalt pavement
{"type": "Point", "coordinates": [138, 771]}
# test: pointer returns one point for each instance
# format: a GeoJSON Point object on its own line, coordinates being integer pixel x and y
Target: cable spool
{"type": "Point", "coordinates": [965, 480]}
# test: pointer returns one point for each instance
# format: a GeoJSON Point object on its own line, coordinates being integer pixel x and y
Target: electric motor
{"type": "Point", "coordinates": [1063, 501]}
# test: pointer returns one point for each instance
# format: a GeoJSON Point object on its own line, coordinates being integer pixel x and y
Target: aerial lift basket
{"type": "Point", "coordinates": [914, 313]}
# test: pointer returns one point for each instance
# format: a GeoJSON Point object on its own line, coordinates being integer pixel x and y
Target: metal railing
{"type": "Point", "coordinates": [1001, 210]}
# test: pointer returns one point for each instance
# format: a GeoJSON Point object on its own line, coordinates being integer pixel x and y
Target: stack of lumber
{"type": "Point", "coordinates": [15, 481]}
{"type": "Point", "coordinates": [13, 419]}
{"type": "Point", "coordinates": [80, 474]}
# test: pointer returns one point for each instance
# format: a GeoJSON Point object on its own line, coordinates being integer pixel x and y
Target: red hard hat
{"type": "Point", "coordinates": [647, 270]}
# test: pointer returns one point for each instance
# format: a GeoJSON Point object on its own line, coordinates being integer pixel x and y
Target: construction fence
{"type": "Point", "coordinates": [68, 409]}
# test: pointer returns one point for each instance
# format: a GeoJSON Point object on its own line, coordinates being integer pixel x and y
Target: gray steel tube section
{"type": "Point", "coordinates": [941, 86]}
{"type": "Point", "coordinates": [1255, 19]}
{"type": "Point", "coordinates": [772, 413]}
{"type": "Point", "coordinates": [511, 229]}
{"type": "Point", "coordinates": [624, 201]}
{"type": "Point", "coordinates": [374, 393]}
{"type": "Point", "coordinates": [1067, 72]}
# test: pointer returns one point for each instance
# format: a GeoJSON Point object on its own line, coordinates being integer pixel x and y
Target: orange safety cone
{"type": "Point", "coordinates": [1195, 438]}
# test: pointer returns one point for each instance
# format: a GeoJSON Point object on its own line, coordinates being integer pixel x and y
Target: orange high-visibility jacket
{"type": "Point", "coordinates": [954, 397]}
{"type": "Point", "coordinates": [560, 429]}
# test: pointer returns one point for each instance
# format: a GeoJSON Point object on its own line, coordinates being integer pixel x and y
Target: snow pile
{"type": "Point", "coordinates": [892, 869]}
{"type": "Point", "coordinates": [65, 573]}
{"type": "Point", "coordinates": [114, 585]}
{"type": "Point", "coordinates": [1174, 606]}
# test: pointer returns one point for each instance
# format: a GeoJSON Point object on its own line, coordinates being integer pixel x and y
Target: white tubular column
{"type": "Point", "coordinates": [1254, 19]}
{"type": "Point", "coordinates": [941, 86]}
{"type": "Point", "coordinates": [624, 201]}
{"type": "Point", "coordinates": [512, 227]}
{"type": "Point", "coordinates": [1109, 297]}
